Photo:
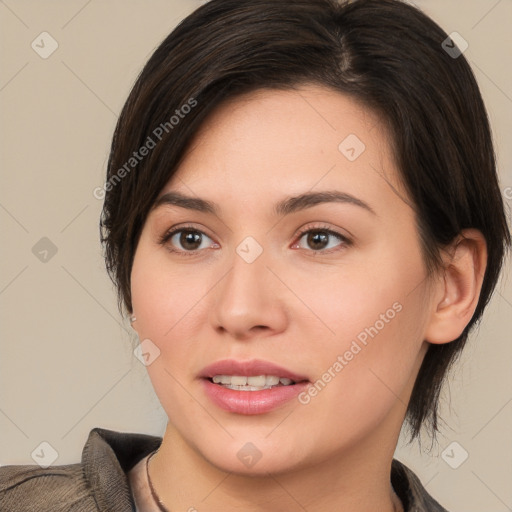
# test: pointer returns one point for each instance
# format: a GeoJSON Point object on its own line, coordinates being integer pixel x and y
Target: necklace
{"type": "Point", "coordinates": [156, 499]}
{"type": "Point", "coordinates": [162, 508]}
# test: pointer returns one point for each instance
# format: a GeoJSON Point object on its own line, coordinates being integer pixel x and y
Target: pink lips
{"type": "Point", "coordinates": [250, 402]}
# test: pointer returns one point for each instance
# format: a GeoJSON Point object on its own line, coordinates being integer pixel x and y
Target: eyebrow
{"type": "Point", "coordinates": [284, 207]}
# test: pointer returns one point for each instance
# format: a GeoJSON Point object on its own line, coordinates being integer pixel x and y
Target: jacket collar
{"type": "Point", "coordinates": [115, 453]}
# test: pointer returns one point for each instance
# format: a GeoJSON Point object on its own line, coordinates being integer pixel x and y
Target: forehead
{"type": "Point", "coordinates": [307, 118]}
{"type": "Point", "coordinates": [271, 142]}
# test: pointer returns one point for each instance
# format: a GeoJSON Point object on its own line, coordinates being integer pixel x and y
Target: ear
{"type": "Point", "coordinates": [457, 291]}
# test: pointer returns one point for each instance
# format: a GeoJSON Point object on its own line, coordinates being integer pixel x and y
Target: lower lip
{"type": "Point", "coordinates": [252, 402]}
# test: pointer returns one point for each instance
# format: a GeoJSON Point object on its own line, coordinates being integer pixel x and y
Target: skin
{"type": "Point", "coordinates": [298, 305]}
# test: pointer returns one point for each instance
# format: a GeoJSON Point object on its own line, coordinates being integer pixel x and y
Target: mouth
{"type": "Point", "coordinates": [251, 387]}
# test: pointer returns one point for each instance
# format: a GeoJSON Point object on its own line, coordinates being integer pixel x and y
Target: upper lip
{"type": "Point", "coordinates": [250, 368]}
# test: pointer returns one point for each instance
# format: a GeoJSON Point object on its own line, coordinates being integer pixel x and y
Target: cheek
{"type": "Point", "coordinates": [373, 315]}
{"type": "Point", "coordinates": [351, 300]}
{"type": "Point", "coordinates": [163, 296]}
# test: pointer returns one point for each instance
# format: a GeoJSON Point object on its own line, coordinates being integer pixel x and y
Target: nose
{"type": "Point", "coordinates": [248, 302]}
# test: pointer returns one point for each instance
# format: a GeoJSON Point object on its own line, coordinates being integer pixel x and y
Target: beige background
{"type": "Point", "coordinates": [66, 357]}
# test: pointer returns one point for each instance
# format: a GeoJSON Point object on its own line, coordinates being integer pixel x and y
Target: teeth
{"type": "Point", "coordinates": [258, 381]}
{"type": "Point", "coordinates": [272, 380]}
{"type": "Point", "coordinates": [253, 383]}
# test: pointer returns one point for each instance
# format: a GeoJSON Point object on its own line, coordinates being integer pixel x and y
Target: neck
{"type": "Point", "coordinates": [357, 480]}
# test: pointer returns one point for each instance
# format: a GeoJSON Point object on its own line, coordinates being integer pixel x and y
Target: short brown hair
{"type": "Point", "coordinates": [384, 53]}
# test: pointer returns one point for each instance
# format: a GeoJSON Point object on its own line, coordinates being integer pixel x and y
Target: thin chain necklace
{"type": "Point", "coordinates": [162, 507]}
{"type": "Point", "coordinates": [156, 499]}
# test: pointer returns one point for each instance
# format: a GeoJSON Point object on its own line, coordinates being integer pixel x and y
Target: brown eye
{"type": "Point", "coordinates": [186, 240]}
{"type": "Point", "coordinates": [320, 239]}
{"type": "Point", "coordinates": [190, 240]}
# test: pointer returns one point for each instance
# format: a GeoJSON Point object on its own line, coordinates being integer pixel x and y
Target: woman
{"type": "Point", "coordinates": [303, 221]}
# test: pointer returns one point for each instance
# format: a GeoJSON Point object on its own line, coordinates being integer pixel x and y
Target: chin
{"type": "Point", "coordinates": [254, 458]}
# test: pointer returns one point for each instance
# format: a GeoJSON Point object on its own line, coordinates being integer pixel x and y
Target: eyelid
{"type": "Point", "coordinates": [182, 227]}
{"type": "Point", "coordinates": [323, 227]}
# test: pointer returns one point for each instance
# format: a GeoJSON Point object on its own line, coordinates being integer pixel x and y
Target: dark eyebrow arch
{"type": "Point", "coordinates": [309, 199]}
{"type": "Point", "coordinates": [190, 203]}
{"type": "Point", "coordinates": [285, 207]}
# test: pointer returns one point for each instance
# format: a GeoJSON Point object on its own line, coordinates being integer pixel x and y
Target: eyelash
{"type": "Point", "coordinates": [345, 242]}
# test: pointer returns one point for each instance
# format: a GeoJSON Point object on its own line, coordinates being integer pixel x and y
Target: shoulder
{"type": "Point", "coordinates": [29, 487]}
{"type": "Point", "coordinates": [97, 483]}
{"type": "Point", "coordinates": [410, 490]}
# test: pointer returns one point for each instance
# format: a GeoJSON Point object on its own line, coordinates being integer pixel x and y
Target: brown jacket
{"type": "Point", "coordinates": [99, 482]}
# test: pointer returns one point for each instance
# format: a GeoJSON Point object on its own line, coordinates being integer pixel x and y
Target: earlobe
{"type": "Point", "coordinates": [133, 319]}
{"type": "Point", "coordinates": [457, 293]}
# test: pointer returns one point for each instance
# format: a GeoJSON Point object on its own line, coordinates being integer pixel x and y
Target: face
{"type": "Point", "coordinates": [298, 258]}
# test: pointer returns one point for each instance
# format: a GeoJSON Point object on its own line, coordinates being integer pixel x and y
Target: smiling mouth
{"type": "Point", "coordinates": [251, 387]}
{"type": "Point", "coordinates": [251, 383]}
